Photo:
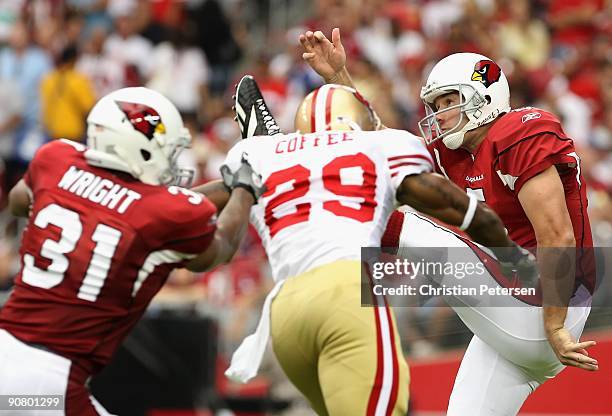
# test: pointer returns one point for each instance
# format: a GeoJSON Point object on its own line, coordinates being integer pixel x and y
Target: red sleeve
{"type": "Point", "coordinates": [46, 160]}
{"type": "Point", "coordinates": [34, 167]}
{"type": "Point", "coordinates": [27, 177]}
{"type": "Point", "coordinates": [528, 157]}
{"type": "Point", "coordinates": [194, 237]}
{"type": "Point", "coordinates": [191, 227]}
{"type": "Point", "coordinates": [391, 237]}
{"type": "Point", "coordinates": [434, 159]}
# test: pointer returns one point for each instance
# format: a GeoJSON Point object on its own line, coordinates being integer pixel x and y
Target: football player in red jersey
{"type": "Point", "coordinates": [524, 166]}
{"type": "Point", "coordinates": [105, 229]}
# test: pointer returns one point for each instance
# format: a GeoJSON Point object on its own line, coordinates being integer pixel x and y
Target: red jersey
{"type": "Point", "coordinates": [520, 145]}
{"type": "Point", "coordinates": [98, 246]}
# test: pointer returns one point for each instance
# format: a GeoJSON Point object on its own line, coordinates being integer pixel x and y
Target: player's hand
{"type": "Point", "coordinates": [522, 264]}
{"type": "Point", "coordinates": [572, 353]}
{"type": "Point", "coordinates": [325, 57]}
{"type": "Point", "coordinates": [244, 177]}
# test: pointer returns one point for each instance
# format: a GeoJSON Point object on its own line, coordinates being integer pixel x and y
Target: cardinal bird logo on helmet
{"type": "Point", "coordinates": [487, 72]}
{"type": "Point", "coordinates": [143, 118]}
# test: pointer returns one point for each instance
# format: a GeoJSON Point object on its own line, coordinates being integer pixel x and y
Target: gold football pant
{"type": "Point", "coordinates": [346, 359]}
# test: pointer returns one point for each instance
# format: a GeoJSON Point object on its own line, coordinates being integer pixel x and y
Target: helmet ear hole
{"type": "Point", "coordinates": [488, 98]}
{"type": "Point", "coordinates": [146, 155]}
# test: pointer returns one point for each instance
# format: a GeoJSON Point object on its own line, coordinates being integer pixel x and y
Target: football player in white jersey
{"type": "Point", "coordinates": [330, 188]}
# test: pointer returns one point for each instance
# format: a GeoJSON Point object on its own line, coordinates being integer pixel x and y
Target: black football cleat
{"type": "Point", "coordinates": [252, 113]}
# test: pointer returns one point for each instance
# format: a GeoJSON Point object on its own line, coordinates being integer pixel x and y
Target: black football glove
{"type": "Point", "coordinates": [244, 177]}
{"type": "Point", "coordinates": [520, 263]}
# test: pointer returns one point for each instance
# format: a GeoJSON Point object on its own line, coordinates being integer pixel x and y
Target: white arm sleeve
{"type": "Point", "coordinates": [406, 155]}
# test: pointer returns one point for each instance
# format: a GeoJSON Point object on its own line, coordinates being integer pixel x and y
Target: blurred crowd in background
{"type": "Point", "coordinates": [58, 56]}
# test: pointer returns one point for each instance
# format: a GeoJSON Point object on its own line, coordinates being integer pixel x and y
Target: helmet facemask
{"type": "Point", "coordinates": [470, 103]}
{"type": "Point", "coordinates": [179, 176]}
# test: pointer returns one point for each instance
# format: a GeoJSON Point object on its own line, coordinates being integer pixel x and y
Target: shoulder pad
{"type": "Point", "coordinates": [522, 123]}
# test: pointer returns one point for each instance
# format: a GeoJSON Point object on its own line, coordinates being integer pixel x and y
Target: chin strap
{"type": "Point", "coordinates": [348, 122]}
{"type": "Point", "coordinates": [454, 141]}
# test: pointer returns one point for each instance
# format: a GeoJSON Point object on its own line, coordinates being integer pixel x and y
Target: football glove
{"type": "Point", "coordinates": [521, 264]}
{"type": "Point", "coordinates": [244, 177]}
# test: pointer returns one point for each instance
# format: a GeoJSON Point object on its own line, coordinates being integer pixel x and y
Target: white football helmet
{"type": "Point", "coordinates": [483, 93]}
{"type": "Point", "coordinates": [138, 131]}
{"type": "Point", "coordinates": [335, 107]}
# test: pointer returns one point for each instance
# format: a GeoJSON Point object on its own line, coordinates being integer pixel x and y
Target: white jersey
{"type": "Point", "coordinates": [328, 194]}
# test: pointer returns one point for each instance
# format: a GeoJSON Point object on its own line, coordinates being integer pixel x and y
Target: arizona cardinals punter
{"type": "Point", "coordinates": [522, 164]}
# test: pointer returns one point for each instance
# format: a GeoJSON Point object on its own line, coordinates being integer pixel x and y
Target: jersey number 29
{"type": "Point", "coordinates": [300, 176]}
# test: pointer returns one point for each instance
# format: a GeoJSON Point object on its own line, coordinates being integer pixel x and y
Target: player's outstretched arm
{"type": "Point", "coordinates": [246, 187]}
{"type": "Point", "coordinates": [327, 58]}
{"type": "Point", "coordinates": [543, 199]}
{"type": "Point", "coordinates": [231, 227]}
{"type": "Point", "coordinates": [20, 199]}
{"type": "Point", "coordinates": [215, 191]}
{"type": "Point", "coordinates": [435, 195]}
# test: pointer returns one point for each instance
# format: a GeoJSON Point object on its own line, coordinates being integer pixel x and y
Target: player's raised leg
{"type": "Point", "coordinates": [252, 113]}
{"type": "Point", "coordinates": [512, 330]}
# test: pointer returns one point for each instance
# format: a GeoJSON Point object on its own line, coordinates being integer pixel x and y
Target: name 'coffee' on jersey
{"type": "Point", "coordinates": [319, 182]}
